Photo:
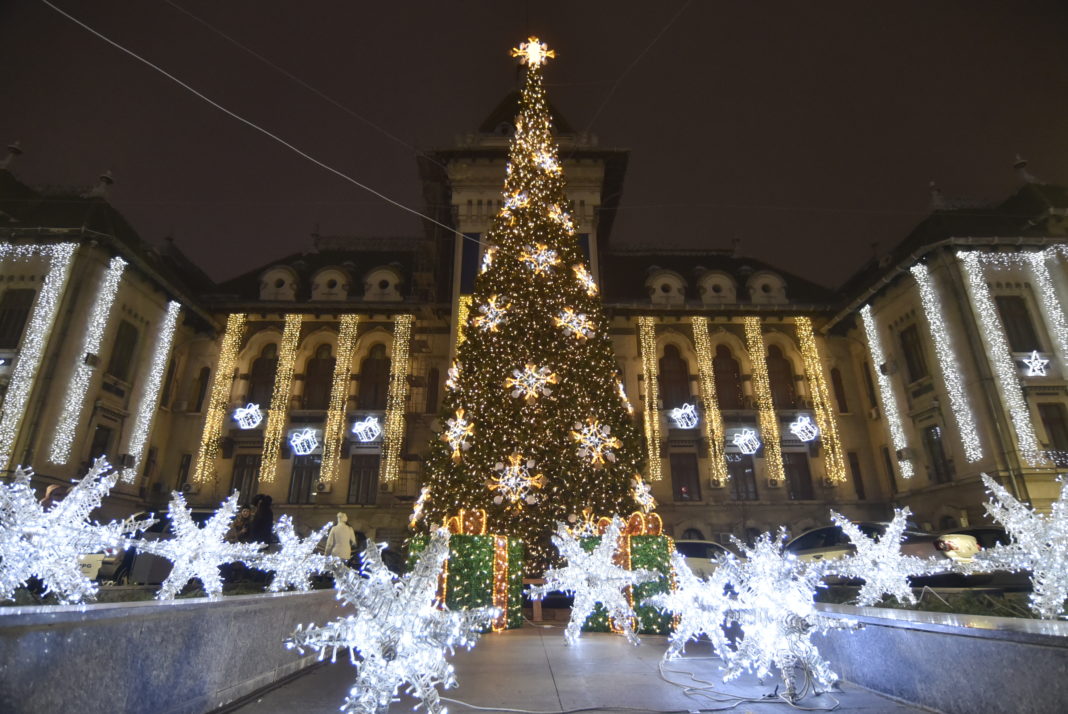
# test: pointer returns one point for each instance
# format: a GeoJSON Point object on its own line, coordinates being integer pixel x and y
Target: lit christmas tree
{"type": "Point", "coordinates": [535, 428]}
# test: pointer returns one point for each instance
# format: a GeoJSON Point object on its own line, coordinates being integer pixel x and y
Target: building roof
{"type": "Point", "coordinates": [504, 114]}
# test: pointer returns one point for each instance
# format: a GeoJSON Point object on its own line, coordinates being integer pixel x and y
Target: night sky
{"type": "Point", "coordinates": [808, 131]}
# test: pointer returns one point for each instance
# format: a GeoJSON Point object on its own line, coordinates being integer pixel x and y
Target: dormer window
{"type": "Point", "coordinates": [665, 287]}
{"type": "Point", "coordinates": [330, 284]}
{"type": "Point", "coordinates": [383, 285]}
{"type": "Point", "coordinates": [766, 287]}
{"type": "Point", "coordinates": [717, 288]}
{"type": "Point", "coordinates": [279, 283]}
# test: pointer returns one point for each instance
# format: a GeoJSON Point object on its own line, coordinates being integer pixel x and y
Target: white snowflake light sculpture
{"type": "Point", "coordinates": [747, 442]}
{"type": "Point", "coordinates": [399, 633]}
{"type": "Point", "coordinates": [1036, 366]}
{"type": "Point", "coordinates": [574, 324]}
{"type": "Point", "coordinates": [197, 552]}
{"type": "Point", "coordinates": [585, 279]}
{"type": "Point", "coordinates": [514, 481]}
{"type": "Point", "coordinates": [452, 378]}
{"type": "Point", "coordinates": [642, 494]}
{"type": "Point", "coordinates": [296, 561]}
{"type": "Point", "coordinates": [804, 428]}
{"type": "Point", "coordinates": [594, 579]}
{"type": "Point", "coordinates": [562, 217]}
{"type": "Point", "coordinates": [540, 258]}
{"type": "Point", "coordinates": [304, 441]}
{"type": "Point", "coordinates": [49, 544]}
{"type": "Point", "coordinates": [248, 417]}
{"type": "Point", "coordinates": [700, 604]}
{"type": "Point", "coordinates": [492, 314]}
{"type": "Point", "coordinates": [418, 508]}
{"type": "Point", "coordinates": [595, 442]}
{"type": "Point", "coordinates": [457, 431]}
{"type": "Point", "coordinates": [880, 562]}
{"type": "Point", "coordinates": [1039, 544]}
{"type": "Point", "coordinates": [684, 417]}
{"type": "Point", "coordinates": [367, 429]}
{"type": "Point", "coordinates": [531, 382]}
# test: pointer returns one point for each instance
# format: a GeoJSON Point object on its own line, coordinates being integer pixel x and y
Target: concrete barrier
{"type": "Point", "coordinates": [958, 664]}
{"type": "Point", "coordinates": [179, 657]}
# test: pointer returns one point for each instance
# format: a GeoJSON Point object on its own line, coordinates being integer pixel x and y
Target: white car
{"type": "Point", "coordinates": [700, 555]}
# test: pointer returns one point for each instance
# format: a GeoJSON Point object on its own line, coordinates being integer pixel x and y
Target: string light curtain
{"type": "Point", "coordinates": [1050, 304]}
{"type": "Point", "coordinates": [334, 433]}
{"type": "Point", "coordinates": [887, 398]}
{"type": "Point", "coordinates": [821, 401]}
{"type": "Point", "coordinates": [397, 399]}
{"type": "Point", "coordinates": [31, 349]}
{"type": "Point", "coordinates": [713, 422]}
{"type": "Point", "coordinates": [219, 402]}
{"type": "Point", "coordinates": [651, 393]}
{"type": "Point", "coordinates": [278, 417]}
{"type": "Point", "coordinates": [769, 422]}
{"type": "Point", "coordinates": [78, 385]}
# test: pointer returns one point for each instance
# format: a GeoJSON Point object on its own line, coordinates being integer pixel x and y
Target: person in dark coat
{"type": "Point", "coordinates": [262, 524]}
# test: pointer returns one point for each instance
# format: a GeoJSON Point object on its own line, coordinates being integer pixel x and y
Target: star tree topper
{"type": "Point", "coordinates": [296, 562]}
{"type": "Point", "coordinates": [533, 52]}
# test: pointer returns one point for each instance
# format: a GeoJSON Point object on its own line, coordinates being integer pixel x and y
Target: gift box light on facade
{"type": "Point", "coordinates": [304, 442]}
{"type": "Point", "coordinates": [249, 416]}
{"type": "Point", "coordinates": [367, 429]}
{"type": "Point", "coordinates": [803, 428]}
{"type": "Point", "coordinates": [747, 442]}
{"type": "Point", "coordinates": [684, 417]}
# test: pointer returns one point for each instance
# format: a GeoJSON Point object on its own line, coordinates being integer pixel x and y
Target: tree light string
{"type": "Point", "coordinates": [278, 416]}
{"type": "Point", "coordinates": [334, 431]}
{"type": "Point", "coordinates": [397, 398]}
{"type": "Point", "coordinates": [713, 422]}
{"type": "Point", "coordinates": [887, 397]}
{"type": "Point", "coordinates": [148, 400]}
{"type": "Point", "coordinates": [78, 385]}
{"type": "Point", "coordinates": [769, 422]}
{"type": "Point", "coordinates": [31, 349]}
{"type": "Point", "coordinates": [650, 390]}
{"type": "Point", "coordinates": [948, 363]}
{"type": "Point", "coordinates": [821, 401]}
{"type": "Point", "coordinates": [219, 403]}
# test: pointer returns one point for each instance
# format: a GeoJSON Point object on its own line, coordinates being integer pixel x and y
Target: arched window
{"type": "Point", "coordinates": [261, 376]}
{"type": "Point", "coordinates": [374, 379]}
{"type": "Point", "coordinates": [122, 351]}
{"type": "Point", "coordinates": [201, 388]}
{"type": "Point", "coordinates": [781, 376]}
{"type": "Point", "coordinates": [318, 377]}
{"type": "Point", "coordinates": [728, 379]}
{"type": "Point", "coordinates": [433, 379]}
{"type": "Point", "coordinates": [839, 390]}
{"type": "Point", "coordinates": [674, 378]}
{"type": "Point", "coordinates": [692, 534]}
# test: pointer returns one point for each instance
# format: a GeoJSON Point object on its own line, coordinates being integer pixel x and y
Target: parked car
{"type": "Point", "coordinates": [985, 537]}
{"type": "Point", "coordinates": [701, 555]}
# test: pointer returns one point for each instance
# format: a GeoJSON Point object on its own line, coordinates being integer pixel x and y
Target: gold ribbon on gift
{"type": "Point", "coordinates": [472, 521]}
{"type": "Point", "coordinates": [637, 523]}
{"type": "Point", "coordinates": [469, 521]}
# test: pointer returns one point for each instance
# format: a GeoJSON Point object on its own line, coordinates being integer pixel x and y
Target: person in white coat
{"type": "Point", "coordinates": [341, 538]}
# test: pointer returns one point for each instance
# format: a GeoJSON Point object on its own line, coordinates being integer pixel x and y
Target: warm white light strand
{"type": "Point", "coordinates": [1050, 304]}
{"type": "Point", "coordinates": [334, 432]}
{"type": "Point", "coordinates": [219, 402]}
{"type": "Point", "coordinates": [769, 421]}
{"type": "Point", "coordinates": [650, 388]}
{"type": "Point", "coordinates": [278, 416]}
{"type": "Point", "coordinates": [713, 423]}
{"type": "Point", "coordinates": [821, 401]}
{"type": "Point", "coordinates": [396, 399]}
{"type": "Point", "coordinates": [887, 398]}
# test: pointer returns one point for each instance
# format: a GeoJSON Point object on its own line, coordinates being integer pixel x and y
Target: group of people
{"type": "Point", "coordinates": [254, 523]}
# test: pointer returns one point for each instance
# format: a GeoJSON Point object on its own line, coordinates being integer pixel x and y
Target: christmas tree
{"type": "Point", "coordinates": [536, 427]}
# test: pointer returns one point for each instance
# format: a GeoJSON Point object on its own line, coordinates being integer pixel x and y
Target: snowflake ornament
{"type": "Point", "coordinates": [684, 417]}
{"type": "Point", "coordinates": [452, 377]}
{"type": "Point", "coordinates": [515, 481]}
{"type": "Point", "coordinates": [419, 507]}
{"type": "Point", "coordinates": [594, 579]}
{"type": "Point", "coordinates": [1036, 366]}
{"type": "Point", "coordinates": [399, 633]}
{"type": "Point", "coordinates": [197, 552]}
{"type": "Point", "coordinates": [457, 430]}
{"type": "Point", "coordinates": [512, 203]}
{"type": "Point", "coordinates": [540, 258]}
{"type": "Point", "coordinates": [531, 382]}
{"type": "Point", "coordinates": [296, 561]}
{"type": "Point", "coordinates": [562, 217]}
{"type": "Point", "coordinates": [574, 324]}
{"type": "Point", "coordinates": [585, 279]}
{"type": "Point", "coordinates": [595, 442]}
{"type": "Point", "coordinates": [492, 315]}
{"type": "Point", "coordinates": [747, 442]}
{"type": "Point", "coordinates": [701, 605]}
{"type": "Point", "coordinates": [804, 429]}
{"type": "Point", "coordinates": [533, 52]}
{"type": "Point", "coordinates": [367, 429]}
{"type": "Point", "coordinates": [642, 494]}
{"type": "Point", "coordinates": [248, 417]}
{"type": "Point", "coordinates": [547, 162]}
{"type": "Point", "coordinates": [487, 258]}
{"type": "Point", "coordinates": [49, 544]}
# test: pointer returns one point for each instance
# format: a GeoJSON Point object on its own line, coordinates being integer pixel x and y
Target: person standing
{"type": "Point", "coordinates": [341, 538]}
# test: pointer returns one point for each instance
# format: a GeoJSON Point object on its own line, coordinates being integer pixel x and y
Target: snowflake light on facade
{"type": "Point", "coordinates": [700, 604]}
{"type": "Point", "coordinates": [585, 279]}
{"type": "Point", "coordinates": [296, 561]}
{"type": "Point", "coordinates": [804, 428]}
{"type": "Point", "coordinates": [248, 417]}
{"type": "Point", "coordinates": [1036, 366]}
{"type": "Point", "coordinates": [684, 417]}
{"type": "Point", "coordinates": [399, 633]}
{"type": "Point", "coordinates": [492, 314]}
{"type": "Point", "coordinates": [540, 258]}
{"type": "Point", "coordinates": [49, 544]}
{"type": "Point", "coordinates": [197, 552]}
{"type": "Point", "coordinates": [533, 52]}
{"type": "Point", "coordinates": [452, 377]}
{"type": "Point", "coordinates": [594, 579]}
{"type": "Point", "coordinates": [642, 494]}
{"type": "Point", "coordinates": [562, 217]}
{"type": "Point", "coordinates": [747, 442]}
{"type": "Point", "coordinates": [304, 442]}
{"type": "Point", "coordinates": [367, 429]}
{"type": "Point", "coordinates": [531, 382]}
{"type": "Point", "coordinates": [574, 324]}
{"type": "Point", "coordinates": [514, 482]}
{"type": "Point", "coordinates": [595, 442]}
{"type": "Point", "coordinates": [457, 430]}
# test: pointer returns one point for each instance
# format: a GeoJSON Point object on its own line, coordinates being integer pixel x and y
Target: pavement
{"type": "Point", "coordinates": [531, 669]}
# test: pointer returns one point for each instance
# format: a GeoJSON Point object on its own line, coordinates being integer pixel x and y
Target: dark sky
{"type": "Point", "coordinates": [808, 130]}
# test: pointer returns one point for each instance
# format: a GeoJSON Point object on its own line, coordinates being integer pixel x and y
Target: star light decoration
{"type": "Point", "coordinates": [296, 562]}
{"type": "Point", "coordinates": [594, 579]}
{"type": "Point", "coordinates": [700, 604]}
{"type": "Point", "coordinates": [540, 258]}
{"type": "Point", "coordinates": [533, 52]}
{"type": "Point", "coordinates": [514, 481]}
{"type": "Point", "coordinates": [531, 382]}
{"type": "Point", "coordinates": [487, 258]}
{"type": "Point", "coordinates": [456, 432]}
{"type": "Point", "coordinates": [642, 494]}
{"type": "Point", "coordinates": [685, 417]}
{"type": "Point", "coordinates": [367, 429]}
{"type": "Point", "coordinates": [304, 441]}
{"type": "Point", "coordinates": [248, 417]}
{"type": "Point", "coordinates": [747, 442]}
{"type": "Point", "coordinates": [585, 279]}
{"type": "Point", "coordinates": [1036, 366]}
{"type": "Point", "coordinates": [452, 377]}
{"type": "Point", "coordinates": [574, 324]}
{"type": "Point", "coordinates": [419, 507]}
{"type": "Point", "coordinates": [399, 633]}
{"type": "Point", "coordinates": [197, 552]}
{"type": "Point", "coordinates": [492, 314]}
{"type": "Point", "coordinates": [804, 428]}
{"type": "Point", "coordinates": [548, 163]}
{"type": "Point", "coordinates": [49, 544]}
{"type": "Point", "coordinates": [562, 217]}
{"type": "Point", "coordinates": [595, 442]}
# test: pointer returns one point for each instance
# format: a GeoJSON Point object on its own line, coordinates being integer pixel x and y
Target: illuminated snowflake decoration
{"type": "Point", "coordinates": [547, 162]}
{"type": "Point", "coordinates": [487, 258]}
{"type": "Point", "coordinates": [574, 324]}
{"type": "Point", "coordinates": [880, 562]}
{"type": "Point", "coordinates": [562, 217]}
{"type": "Point", "coordinates": [533, 52]}
{"type": "Point", "coordinates": [457, 431]}
{"type": "Point", "coordinates": [1036, 366]}
{"type": "Point", "coordinates": [419, 507]}
{"type": "Point", "coordinates": [197, 552]}
{"type": "Point", "coordinates": [367, 429]}
{"type": "Point", "coordinates": [49, 544]}
{"type": "Point", "coordinates": [540, 258]}
{"type": "Point", "coordinates": [594, 579]}
{"type": "Point", "coordinates": [452, 377]}
{"type": "Point", "coordinates": [514, 482]}
{"type": "Point", "coordinates": [531, 382]}
{"type": "Point", "coordinates": [747, 442]}
{"type": "Point", "coordinates": [684, 417]}
{"type": "Point", "coordinates": [804, 428]}
{"type": "Point", "coordinates": [623, 396]}
{"type": "Point", "coordinates": [492, 314]}
{"type": "Point", "coordinates": [642, 494]}
{"type": "Point", "coordinates": [304, 441]}
{"type": "Point", "coordinates": [399, 633]}
{"type": "Point", "coordinates": [585, 279]}
{"type": "Point", "coordinates": [296, 561]}
{"type": "Point", "coordinates": [700, 604]}
{"type": "Point", "coordinates": [595, 442]}
{"type": "Point", "coordinates": [514, 201]}
{"type": "Point", "coordinates": [248, 417]}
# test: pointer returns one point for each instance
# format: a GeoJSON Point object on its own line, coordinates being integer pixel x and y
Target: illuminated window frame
{"type": "Point", "coordinates": [887, 398]}
{"type": "Point", "coordinates": [650, 391]}
{"type": "Point", "coordinates": [769, 421]}
{"type": "Point", "coordinates": [713, 422]}
{"type": "Point", "coordinates": [219, 402]}
{"type": "Point", "coordinates": [397, 399]}
{"type": "Point", "coordinates": [278, 416]}
{"type": "Point", "coordinates": [826, 422]}
{"type": "Point", "coordinates": [334, 433]}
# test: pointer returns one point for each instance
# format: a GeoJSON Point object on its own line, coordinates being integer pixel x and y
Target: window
{"type": "Point", "coordinates": [183, 470]}
{"type": "Point", "coordinates": [374, 379]}
{"type": "Point", "coordinates": [1019, 329]}
{"type": "Point", "coordinates": [798, 476]}
{"type": "Point", "coordinates": [305, 474]}
{"type": "Point", "coordinates": [203, 378]}
{"type": "Point", "coordinates": [854, 473]}
{"type": "Point", "coordinates": [674, 378]}
{"type": "Point", "coordinates": [728, 379]}
{"type": "Point", "coordinates": [685, 483]}
{"type": "Point", "coordinates": [363, 479]}
{"type": "Point", "coordinates": [433, 379]}
{"type": "Point", "coordinates": [101, 444]}
{"type": "Point", "coordinates": [14, 312]}
{"type": "Point", "coordinates": [150, 464]}
{"type": "Point", "coordinates": [122, 351]}
{"type": "Point", "coordinates": [168, 385]}
{"type": "Point", "coordinates": [869, 385]}
{"type": "Point", "coordinates": [261, 376]}
{"type": "Point", "coordinates": [912, 347]}
{"type": "Point", "coordinates": [939, 468]}
{"type": "Point", "coordinates": [318, 379]}
{"type": "Point", "coordinates": [947, 522]}
{"type": "Point", "coordinates": [743, 477]}
{"type": "Point", "coordinates": [839, 390]}
{"type": "Point", "coordinates": [781, 377]}
{"type": "Point", "coordinates": [888, 464]}
{"type": "Point", "coordinates": [1055, 419]}
{"type": "Point", "coordinates": [694, 534]}
{"type": "Point", "coordinates": [246, 476]}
